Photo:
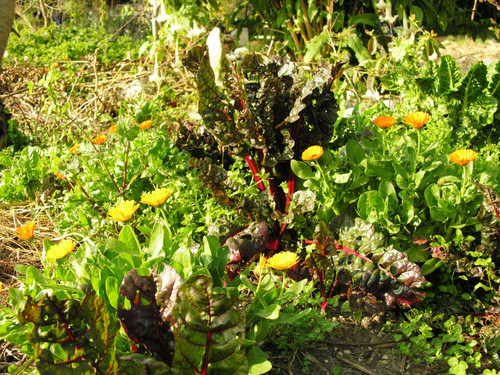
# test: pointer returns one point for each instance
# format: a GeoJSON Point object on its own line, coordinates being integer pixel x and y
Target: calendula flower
{"type": "Point", "coordinates": [61, 176]}
{"type": "Point", "coordinates": [385, 121]}
{"type": "Point", "coordinates": [312, 153]}
{"type": "Point", "coordinates": [65, 58]}
{"type": "Point", "coordinates": [60, 250]}
{"type": "Point", "coordinates": [463, 157]}
{"type": "Point", "coordinates": [74, 148]}
{"type": "Point", "coordinates": [100, 139]}
{"type": "Point", "coordinates": [416, 119]}
{"type": "Point", "coordinates": [26, 232]}
{"type": "Point", "coordinates": [123, 211]}
{"type": "Point", "coordinates": [145, 124]}
{"type": "Point", "coordinates": [157, 197]}
{"type": "Point", "coordinates": [261, 267]}
{"type": "Point", "coordinates": [55, 65]}
{"type": "Point", "coordinates": [283, 261]}
{"type": "Point", "coordinates": [113, 129]}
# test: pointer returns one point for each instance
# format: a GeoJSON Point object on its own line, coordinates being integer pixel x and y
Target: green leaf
{"type": "Point", "coordinates": [449, 75]}
{"type": "Point", "coordinates": [127, 236]}
{"type": "Point", "coordinates": [271, 312]}
{"type": "Point", "coordinates": [431, 265]}
{"type": "Point", "coordinates": [365, 18]}
{"type": "Point", "coordinates": [160, 242]}
{"type": "Point", "coordinates": [112, 291]}
{"type": "Point", "coordinates": [208, 330]}
{"type": "Point", "coordinates": [355, 151]}
{"type": "Point", "coordinates": [302, 170]}
{"type": "Point", "coordinates": [258, 361]}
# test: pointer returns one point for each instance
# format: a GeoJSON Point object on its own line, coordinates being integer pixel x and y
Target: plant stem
{"type": "Point", "coordinates": [124, 183]}
{"type": "Point", "coordinates": [255, 172]}
{"type": "Point", "coordinates": [39, 254]}
{"type": "Point", "coordinates": [167, 225]}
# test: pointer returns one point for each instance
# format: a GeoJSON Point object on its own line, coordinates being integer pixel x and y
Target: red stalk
{"type": "Point", "coordinates": [255, 172]}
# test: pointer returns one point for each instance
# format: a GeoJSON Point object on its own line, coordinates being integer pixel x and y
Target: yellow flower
{"type": "Point", "coordinates": [60, 250]}
{"type": "Point", "coordinates": [100, 139]}
{"type": "Point", "coordinates": [385, 121]}
{"type": "Point", "coordinates": [123, 211]}
{"type": "Point", "coordinates": [145, 124]}
{"type": "Point", "coordinates": [26, 232]}
{"type": "Point", "coordinates": [157, 197]}
{"type": "Point", "coordinates": [463, 157]}
{"type": "Point", "coordinates": [261, 267]}
{"type": "Point", "coordinates": [312, 153]}
{"type": "Point", "coordinates": [113, 129]}
{"type": "Point", "coordinates": [416, 119]}
{"type": "Point", "coordinates": [55, 65]}
{"type": "Point", "coordinates": [283, 261]}
{"type": "Point", "coordinates": [61, 176]}
{"type": "Point", "coordinates": [74, 148]}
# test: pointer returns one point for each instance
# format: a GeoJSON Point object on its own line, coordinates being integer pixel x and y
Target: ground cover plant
{"type": "Point", "coordinates": [239, 203]}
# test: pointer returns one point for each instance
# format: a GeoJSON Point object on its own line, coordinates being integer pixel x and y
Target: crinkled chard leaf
{"type": "Point", "coordinates": [386, 273]}
{"type": "Point", "coordinates": [209, 331]}
{"type": "Point", "coordinates": [72, 336]}
{"type": "Point", "coordinates": [143, 321]}
{"type": "Point", "coordinates": [140, 364]}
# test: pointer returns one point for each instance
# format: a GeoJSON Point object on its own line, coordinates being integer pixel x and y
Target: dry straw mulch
{"type": "Point", "coordinates": [13, 250]}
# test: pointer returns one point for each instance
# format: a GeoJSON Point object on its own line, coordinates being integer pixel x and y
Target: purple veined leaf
{"type": "Point", "coordinates": [209, 331]}
{"type": "Point", "coordinates": [143, 320]}
{"type": "Point", "coordinates": [72, 335]}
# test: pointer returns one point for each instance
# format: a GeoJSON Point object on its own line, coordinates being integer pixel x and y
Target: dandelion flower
{"type": "Point", "coordinates": [74, 148]}
{"type": "Point", "coordinates": [312, 153]}
{"type": "Point", "coordinates": [157, 197]}
{"type": "Point", "coordinates": [100, 139]}
{"type": "Point", "coordinates": [26, 232]}
{"type": "Point", "coordinates": [60, 250]}
{"type": "Point", "coordinates": [283, 261]}
{"type": "Point", "coordinates": [145, 124]}
{"type": "Point", "coordinates": [385, 121]}
{"type": "Point", "coordinates": [113, 129]}
{"type": "Point", "coordinates": [123, 211]}
{"type": "Point", "coordinates": [463, 157]}
{"type": "Point", "coordinates": [416, 119]}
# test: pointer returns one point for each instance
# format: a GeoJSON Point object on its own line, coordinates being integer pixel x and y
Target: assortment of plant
{"type": "Point", "coordinates": [189, 241]}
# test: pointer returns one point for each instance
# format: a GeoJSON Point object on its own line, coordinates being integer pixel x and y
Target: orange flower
{"type": "Point", "coordinates": [463, 157]}
{"type": "Point", "coordinates": [26, 232]}
{"type": "Point", "coordinates": [65, 58]}
{"type": "Point", "coordinates": [113, 129]}
{"type": "Point", "coordinates": [61, 176]}
{"type": "Point", "coordinates": [416, 119]}
{"type": "Point", "coordinates": [385, 121]}
{"type": "Point", "coordinates": [99, 140]}
{"type": "Point", "coordinates": [145, 124]}
{"type": "Point", "coordinates": [74, 148]}
{"type": "Point", "coordinates": [312, 153]}
{"type": "Point", "coordinates": [55, 65]}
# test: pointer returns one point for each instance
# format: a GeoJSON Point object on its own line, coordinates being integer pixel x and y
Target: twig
{"type": "Point", "coordinates": [355, 365]}
{"type": "Point", "coordinates": [318, 363]}
{"type": "Point", "coordinates": [383, 344]}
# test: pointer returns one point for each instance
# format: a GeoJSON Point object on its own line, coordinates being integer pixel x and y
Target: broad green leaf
{"type": "Point", "coordinates": [431, 265]}
{"type": "Point", "coordinates": [302, 170]}
{"type": "Point", "coordinates": [160, 242]}
{"type": "Point", "coordinates": [112, 291]}
{"type": "Point", "coordinates": [271, 312]}
{"type": "Point", "coordinates": [258, 361]}
{"type": "Point", "coordinates": [449, 75]}
{"type": "Point", "coordinates": [354, 151]}
{"type": "Point", "coordinates": [370, 19]}
{"type": "Point", "coordinates": [128, 237]}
